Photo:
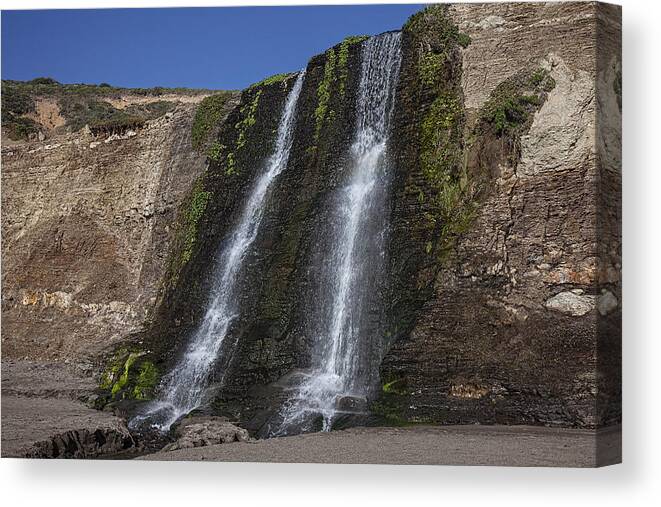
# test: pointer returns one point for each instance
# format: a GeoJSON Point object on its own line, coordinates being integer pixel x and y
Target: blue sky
{"type": "Point", "coordinates": [219, 48]}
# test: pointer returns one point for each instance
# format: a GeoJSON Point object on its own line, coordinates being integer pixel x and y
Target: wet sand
{"type": "Point", "coordinates": [424, 445]}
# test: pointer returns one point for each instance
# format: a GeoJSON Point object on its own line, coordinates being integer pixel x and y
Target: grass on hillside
{"type": "Point", "coordinates": [80, 105]}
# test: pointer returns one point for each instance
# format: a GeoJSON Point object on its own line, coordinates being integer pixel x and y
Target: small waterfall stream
{"type": "Point", "coordinates": [183, 389]}
{"type": "Point", "coordinates": [352, 261]}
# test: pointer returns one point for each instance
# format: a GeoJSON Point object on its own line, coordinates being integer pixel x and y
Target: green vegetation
{"type": "Point", "coordinates": [48, 87]}
{"type": "Point", "coordinates": [512, 104]}
{"type": "Point", "coordinates": [276, 78]}
{"type": "Point", "coordinates": [451, 190]}
{"type": "Point", "coordinates": [19, 127]}
{"type": "Point", "coordinates": [463, 39]}
{"type": "Point", "coordinates": [230, 164]}
{"type": "Point", "coordinates": [207, 116]}
{"type": "Point", "coordinates": [248, 111]}
{"type": "Point", "coordinates": [447, 193]}
{"type": "Point", "coordinates": [80, 105]}
{"type": "Point", "coordinates": [112, 372]}
{"type": "Point", "coordinates": [343, 59]}
{"type": "Point", "coordinates": [146, 382]}
{"type": "Point", "coordinates": [430, 67]}
{"type": "Point", "coordinates": [324, 92]}
{"type": "Point", "coordinates": [198, 204]}
{"type": "Point", "coordinates": [215, 150]}
{"type": "Point", "coordinates": [336, 73]}
{"type": "Point", "coordinates": [248, 120]}
{"type": "Point", "coordinates": [128, 378]}
{"type": "Point", "coordinates": [124, 377]}
{"type": "Point", "coordinates": [187, 228]}
{"type": "Point", "coordinates": [432, 22]}
{"type": "Point", "coordinates": [17, 102]}
{"type": "Point", "coordinates": [391, 414]}
{"type": "Point", "coordinates": [16, 99]}
{"type": "Point", "coordinates": [115, 123]}
{"type": "Point", "coordinates": [150, 110]}
{"type": "Point", "coordinates": [44, 81]}
{"type": "Point", "coordinates": [397, 386]}
{"type": "Point", "coordinates": [393, 399]}
{"type": "Point", "coordinates": [441, 158]}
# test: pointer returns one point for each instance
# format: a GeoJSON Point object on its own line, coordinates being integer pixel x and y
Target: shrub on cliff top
{"type": "Point", "coordinates": [16, 102]}
{"type": "Point", "coordinates": [80, 104]}
{"type": "Point", "coordinates": [433, 23]}
{"type": "Point", "coordinates": [276, 78]}
{"type": "Point", "coordinates": [44, 80]}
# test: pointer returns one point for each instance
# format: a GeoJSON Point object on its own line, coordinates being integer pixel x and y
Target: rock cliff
{"type": "Point", "coordinates": [504, 259]}
{"type": "Point", "coordinates": [87, 224]}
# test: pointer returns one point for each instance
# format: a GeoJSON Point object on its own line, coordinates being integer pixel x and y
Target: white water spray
{"type": "Point", "coordinates": [341, 376]}
{"type": "Point", "coordinates": [183, 389]}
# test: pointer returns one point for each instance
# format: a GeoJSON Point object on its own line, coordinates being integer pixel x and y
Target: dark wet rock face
{"type": "Point", "coordinates": [510, 330]}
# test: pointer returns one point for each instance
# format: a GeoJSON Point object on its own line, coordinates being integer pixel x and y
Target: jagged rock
{"type": "Point", "coordinates": [84, 443]}
{"type": "Point", "coordinates": [571, 303]}
{"type": "Point", "coordinates": [202, 431]}
{"type": "Point", "coordinates": [43, 415]}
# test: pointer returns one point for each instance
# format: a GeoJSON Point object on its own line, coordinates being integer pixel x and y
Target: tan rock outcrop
{"type": "Point", "coordinates": [86, 228]}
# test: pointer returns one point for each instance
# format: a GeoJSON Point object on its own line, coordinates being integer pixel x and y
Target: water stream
{"type": "Point", "coordinates": [184, 388]}
{"type": "Point", "coordinates": [343, 322]}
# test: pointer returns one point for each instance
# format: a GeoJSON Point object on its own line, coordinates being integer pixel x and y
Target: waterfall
{"type": "Point", "coordinates": [342, 321]}
{"type": "Point", "coordinates": [183, 388]}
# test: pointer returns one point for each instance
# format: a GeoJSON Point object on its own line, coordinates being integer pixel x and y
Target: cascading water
{"type": "Point", "coordinates": [342, 322]}
{"type": "Point", "coordinates": [183, 388]}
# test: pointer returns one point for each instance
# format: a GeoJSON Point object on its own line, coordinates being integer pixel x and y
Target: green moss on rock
{"type": "Point", "coordinates": [128, 377]}
{"type": "Point", "coordinates": [324, 92]}
{"type": "Point", "coordinates": [276, 78]}
{"type": "Point", "coordinates": [146, 382]}
{"type": "Point", "coordinates": [248, 119]}
{"type": "Point", "coordinates": [113, 370]}
{"type": "Point", "coordinates": [215, 151]}
{"type": "Point", "coordinates": [196, 208]}
{"type": "Point", "coordinates": [433, 22]}
{"type": "Point", "coordinates": [446, 193]}
{"type": "Point", "coordinates": [343, 59]}
{"type": "Point", "coordinates": [123, 379]}
{"type": "Point", "coordinates": [209, 112]}
{"type": "Point", "coordinates": [396, 386]}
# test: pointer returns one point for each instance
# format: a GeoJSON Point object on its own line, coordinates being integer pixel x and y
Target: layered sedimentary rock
{"type": "Point", "coordinates": [86, 229]}
{"type": "Point", "coordinates": [527, 305]}
{"type": "Point", "coordinates": [504, 258]}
